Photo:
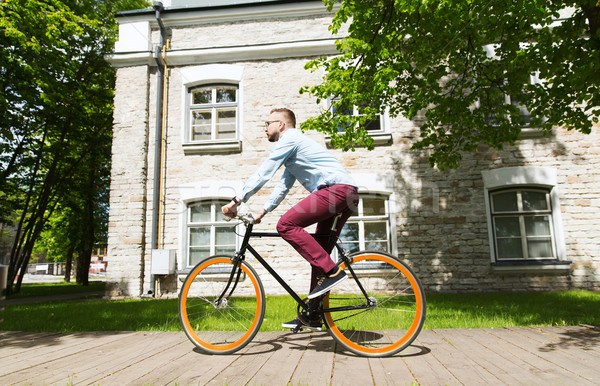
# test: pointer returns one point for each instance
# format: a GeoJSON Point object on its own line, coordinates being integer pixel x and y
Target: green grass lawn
{"type": "Point", "coordinates": [443, 311]}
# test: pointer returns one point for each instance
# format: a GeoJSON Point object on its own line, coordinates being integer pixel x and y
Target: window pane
{"type": "Point", "coordinates": [539, 247]}
{"type": "Point", "coordinates": [523, 112]}
{"type": "Point", "coordinates": [373, 124]}
{"type": "Point", "coordinates": [351, 247]}
{"type": "Point", "coordinates": [537, 225]}
{"type": "Point", "coordinates": [226, 124]}
{"type": "Point", "coordinates": [376, 246]}
{"type": "Point", "coordinates": [226, 94]}
{"type": "Point", "coordinates": [510, 248]}
{"type": "Point", "coordinates": [507, 227]}
{"type": "Point", "coordinates": [198, 254]}
{"type": "Point", "coordinates": [349, 232]}
{"type": "Point", "coordinates": [225, 236]}
{"type": "Point", "coordinates": [201, 125]}
{"type": "Point", "coordinates": [373, 206]}
{"type": "Point", "coordinates": [225, 250]}
{"type": "Point", "coordinates": [201, 95]}
{"type": "Point", "coordinates": [376, 231]}
{"type": "Point", "coordinates": [534, 201]}
{"type": "Point", "coordinates": [199, 237]}
{"type": "Point", "coordinates": [505, 202]}
{"type": "Point", "coordinates": [200, 213]}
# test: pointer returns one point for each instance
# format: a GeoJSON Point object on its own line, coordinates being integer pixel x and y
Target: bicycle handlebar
{"type": "Point", "coordinates": [246, 218]}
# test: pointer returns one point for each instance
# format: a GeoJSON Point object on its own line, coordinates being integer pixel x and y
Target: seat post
{"type": "Point", "coordinates": [333, 231]}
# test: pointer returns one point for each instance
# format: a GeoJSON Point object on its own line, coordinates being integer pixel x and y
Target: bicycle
{"type": "Point", "coordinates": [378, 311]}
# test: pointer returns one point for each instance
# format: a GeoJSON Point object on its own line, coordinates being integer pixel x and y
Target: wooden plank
{"type": "Point", "coordinates": [13, 342]}
{"type": "Point", "coordinates": [134, 363]}
{"type": "Point", "coordinates": [250, 360]}
{"type": "Point", "coordinates": [287, 349]}
{"type": "Point", "coordinates": [69, 361]}
{"type": "Point", "coordinates": [585, 339]}
{"type": "Point", "coordinates": [391, 371]}
{"type": "Point", "coordinates": [502, 369]}
{"type": "Point", "coordinates": [557, 363]}
{"type": "Point", "coordinates": [316, 364]}
{"type": "Point", "coordinates": [56, 346]}
{"type": "Point", "coordinates": [350, 369]}
{"type": "Point", "coordinates": [199, 368]}
{"type": "Point", "coordinates": [427, 369]}
{"type": "Point", "coordinates": [537, 365]}
{"type": "Point", "coordinates": [64, 346]}
{"type": "Point", "coordinates": [464, 369]}
{"type": "Point", "coordinates": [117, 356]}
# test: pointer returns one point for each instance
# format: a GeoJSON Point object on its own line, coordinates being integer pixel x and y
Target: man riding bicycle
{"type": "Point", "coordinates": [332, 191]}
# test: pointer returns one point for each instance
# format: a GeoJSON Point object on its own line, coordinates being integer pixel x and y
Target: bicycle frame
{"type": "Point", "coordinates": [241, 255]}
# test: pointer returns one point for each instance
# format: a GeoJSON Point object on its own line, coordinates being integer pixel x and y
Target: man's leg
{"type": "Point", "coordinates": [322, 232]}
{"type": "Point", "coordinates": [319, 207]}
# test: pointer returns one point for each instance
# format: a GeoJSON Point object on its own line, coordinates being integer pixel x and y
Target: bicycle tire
{"type": "Point", "coordinates": [394, 319]}
{"type": "Point", "coordinates": [229, 326]}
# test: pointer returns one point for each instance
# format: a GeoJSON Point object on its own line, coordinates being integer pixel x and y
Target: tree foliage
{"type": "Point", "coordinates": [55, 117]}
{"type": "Point", "coordinates": [451, 65]}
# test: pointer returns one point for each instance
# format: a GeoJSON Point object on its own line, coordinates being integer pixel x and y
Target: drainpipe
{"type": "Point", "coordinates": [158, 139]}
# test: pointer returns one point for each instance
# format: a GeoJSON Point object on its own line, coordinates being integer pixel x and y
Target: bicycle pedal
{"type": "Point", "coordinates": [295, 330]}
{"type": "Point", "coordinates": [314, 329]}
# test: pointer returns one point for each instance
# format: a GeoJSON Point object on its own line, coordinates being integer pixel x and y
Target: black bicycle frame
{"type": "Point", "coordinates": [241, 255]}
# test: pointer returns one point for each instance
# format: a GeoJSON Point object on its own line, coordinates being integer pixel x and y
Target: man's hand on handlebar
{"type": "Point", "coordinates": [231, 210]}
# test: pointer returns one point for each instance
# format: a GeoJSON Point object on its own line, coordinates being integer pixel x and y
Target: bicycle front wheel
{"type": "Point", "coordinates": [388, 319]}
{"type": "Point", "coordinates": [221, 318]}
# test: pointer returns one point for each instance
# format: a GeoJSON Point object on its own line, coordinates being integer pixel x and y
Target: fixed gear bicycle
{"type": "Point", "coordinates": [378, 311]}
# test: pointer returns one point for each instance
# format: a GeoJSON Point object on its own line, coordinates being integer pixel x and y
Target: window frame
{"type": "Point", "coordinates": [204, 76]}
{"type": "Point", "coordinates": [521, 214]}
{"type": "Point", "coordinates": [527, 131]}
{"type": "Point", "coordinates": [380, 137]}
{"type": "Point", "coordinates": [213, 223]}
{"type": "Point", "coordinates": [528, 178]}
{"type": "Point", "coordinates": [360, 218]}
{"type": "Point", "coordinates": [214, 107]}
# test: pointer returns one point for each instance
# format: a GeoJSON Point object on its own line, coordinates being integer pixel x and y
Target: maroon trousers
{"type": "Point", "coordinates": [321, 207]}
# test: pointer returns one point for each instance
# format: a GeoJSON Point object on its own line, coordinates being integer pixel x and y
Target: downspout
{"type": "Point", "coordinates": [160, 57]}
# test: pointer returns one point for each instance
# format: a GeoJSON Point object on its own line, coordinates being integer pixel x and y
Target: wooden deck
{"type": "Point", "coordinates": [507, 356]}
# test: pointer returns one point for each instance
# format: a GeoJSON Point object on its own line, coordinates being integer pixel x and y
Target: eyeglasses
{"type": "Point", "coordinates": [267, 123]}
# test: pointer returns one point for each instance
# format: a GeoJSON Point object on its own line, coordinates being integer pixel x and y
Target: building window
{"type": "Point", "coordinates": [369, 227]}
{"type": "Point", "coordinates": [524, 220]}
{"type": "Point", "coordinates": [213, 113]}
{"type": "Point", "coordinates": [496, 96]}
{"type": "Point", "coordinates": [377, 128]}
{"type": "Point", "coordinates": [208, 232]}
{"type": "Point", "coordinates": [522, 224]}
{"type": "Point", "coordinates": [212, 117]}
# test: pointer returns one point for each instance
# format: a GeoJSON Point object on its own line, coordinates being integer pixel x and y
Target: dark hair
{"type": "Point", "coordinates": [289, 115]}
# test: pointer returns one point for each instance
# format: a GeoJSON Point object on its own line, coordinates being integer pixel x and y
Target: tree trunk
{"type": "Point", "coordinates": [69, 264]}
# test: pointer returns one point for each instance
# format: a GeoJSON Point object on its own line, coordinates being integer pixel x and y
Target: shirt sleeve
{"type": "Point", "coordinates": [281, 190]}
{"type": "Point", "coordinates": [267, 170]}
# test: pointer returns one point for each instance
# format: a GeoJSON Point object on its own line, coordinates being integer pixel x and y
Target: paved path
{"type": "Point", "coordinates": [506, 356]}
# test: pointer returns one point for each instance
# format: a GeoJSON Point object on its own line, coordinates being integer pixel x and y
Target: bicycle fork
{"type": "Point", "coordinates": [236, 271]}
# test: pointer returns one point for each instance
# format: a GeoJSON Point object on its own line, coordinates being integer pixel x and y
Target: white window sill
{"type": "Point", "coordinates": [531, 132]}
{"type": "Point", "coordinates": [379, 139]}
{"type": "Point", "coordinates": [209, 147]}
{"type": "Point", "coordinates": [558, 267]}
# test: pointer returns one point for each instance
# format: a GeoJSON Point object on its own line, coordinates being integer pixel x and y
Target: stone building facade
{"type": "Point", "coordinates": [520, 219]}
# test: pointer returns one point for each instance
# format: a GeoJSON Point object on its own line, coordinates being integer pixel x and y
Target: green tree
{"type": "Point", "coordinates": [452, 64]}
{"type": "Point", "coordinates": [55, 116]}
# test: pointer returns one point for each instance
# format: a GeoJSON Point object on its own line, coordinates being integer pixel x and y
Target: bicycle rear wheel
{"type": "Point", "coordinates": [392, 317]}
{"type": "Point", "coordinates": [215, 324]}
